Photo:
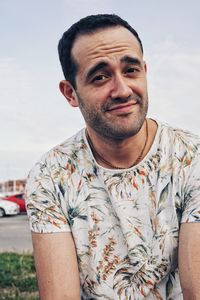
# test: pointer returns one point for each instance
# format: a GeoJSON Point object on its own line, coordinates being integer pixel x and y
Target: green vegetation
{"type": "Point", "coordinates": [17, 277]}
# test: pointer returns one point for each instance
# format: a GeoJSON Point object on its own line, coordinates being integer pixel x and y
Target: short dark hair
{"type": "Point", "coordinates": [87, 25]}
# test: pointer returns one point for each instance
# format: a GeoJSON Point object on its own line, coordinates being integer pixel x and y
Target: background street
{"type": "Point", "coordinates": [15, 234]}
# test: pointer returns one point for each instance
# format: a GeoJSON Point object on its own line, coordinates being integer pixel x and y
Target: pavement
{"type": "Point", "coordinates": [15, 234]}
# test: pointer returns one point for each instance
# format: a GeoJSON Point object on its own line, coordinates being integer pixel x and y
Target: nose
{"type": "Point", "coordinates": [120, 88]}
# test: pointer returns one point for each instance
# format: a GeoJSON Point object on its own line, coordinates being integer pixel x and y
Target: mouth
{"type": "Point", "coordinates": [122, 108]}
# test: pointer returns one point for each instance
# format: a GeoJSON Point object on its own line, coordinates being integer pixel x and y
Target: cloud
{"type": "Point", "coordinates": [32, 114]}
{"type": "Point", "coordinates": [174, 84]}
{"type": "Point", "coordinates": [84, 8]}
{"type": "Point", "coordinates": [15, 82]}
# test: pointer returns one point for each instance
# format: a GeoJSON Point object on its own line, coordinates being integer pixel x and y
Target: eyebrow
{"type": "Point", "coordinates": [131, 60]}
{"type": "Point", "coordinates": [101, 65]}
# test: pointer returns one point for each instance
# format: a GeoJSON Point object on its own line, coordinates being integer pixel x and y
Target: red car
{"type": "Point", "coordinates": [17, 198]}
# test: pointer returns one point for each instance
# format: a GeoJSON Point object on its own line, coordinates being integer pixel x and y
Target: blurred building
{"type": "Point", "coordinates": [10, 187]}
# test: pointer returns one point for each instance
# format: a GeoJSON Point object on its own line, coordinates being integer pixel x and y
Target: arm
{"type": "Point", "coordinates": [56, 266]}
{"type": "Point", "coordinates": [189, 260]}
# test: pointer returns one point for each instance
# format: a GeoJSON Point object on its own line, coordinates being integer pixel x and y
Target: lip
{"type": "Point", "coordinates": [122, 108]}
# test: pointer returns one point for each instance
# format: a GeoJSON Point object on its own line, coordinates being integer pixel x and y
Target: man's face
{"type": "Point", "coordinates": [111, 87]}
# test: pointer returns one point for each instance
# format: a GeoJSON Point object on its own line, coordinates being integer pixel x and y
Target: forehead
{"type": "Point", "coordinates": [108, 44]}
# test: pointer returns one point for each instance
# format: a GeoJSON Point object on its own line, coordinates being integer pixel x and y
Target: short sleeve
{"type": "Point", "coordinates": [45, 204]}
{"type": "Point", "coordinates": [191, 207]}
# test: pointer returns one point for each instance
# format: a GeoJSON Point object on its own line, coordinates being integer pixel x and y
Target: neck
{"type": "Point", "coordinates": [123, 154]}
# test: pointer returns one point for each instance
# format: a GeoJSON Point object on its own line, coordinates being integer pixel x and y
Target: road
{"type": "Point", "coordinates": [15, 234]}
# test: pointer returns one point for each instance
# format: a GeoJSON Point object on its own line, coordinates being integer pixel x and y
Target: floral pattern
{"type": "Point", "coordinates": [125, 223]}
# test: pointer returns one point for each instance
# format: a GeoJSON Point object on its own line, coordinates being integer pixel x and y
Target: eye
{"type": "Point", "coordinates": [131, 70]}
{"type": "Point", "coordinates": [99, 78]}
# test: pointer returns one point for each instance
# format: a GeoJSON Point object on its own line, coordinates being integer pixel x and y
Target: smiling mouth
{"type": "Point", "coordinates": [122, 108]}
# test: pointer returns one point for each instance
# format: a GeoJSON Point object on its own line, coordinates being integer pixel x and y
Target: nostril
{"type": "Point", "coordinates": [121, 93]}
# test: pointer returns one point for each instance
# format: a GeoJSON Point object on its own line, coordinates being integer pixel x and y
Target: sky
{"type": "Point", "coordinates": [34, 116]}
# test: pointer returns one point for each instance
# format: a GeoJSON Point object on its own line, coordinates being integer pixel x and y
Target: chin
{"type": "Point", "coordinates": [127, 131]}
{"type": "Point", "coordinates": [118, 133]}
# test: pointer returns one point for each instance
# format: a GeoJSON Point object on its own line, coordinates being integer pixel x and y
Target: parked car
{"type": "Point", "coordinates": [19, 199]}
{"type": "Point", "coordinates": [8, 208]}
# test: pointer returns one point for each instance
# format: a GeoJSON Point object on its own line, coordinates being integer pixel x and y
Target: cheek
{"type": "Point", "coordinates": [141, 86]}
{"type": "Point", "coordinates": [99, 96]}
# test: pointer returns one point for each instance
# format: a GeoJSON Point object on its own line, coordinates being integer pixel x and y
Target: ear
{"type": "Point", "coordinates": [69, 92]}
{"type": "Point", "coordinates": [145, 66]}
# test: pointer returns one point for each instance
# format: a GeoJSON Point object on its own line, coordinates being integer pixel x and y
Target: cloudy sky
{"type": "Point", "coordinates": [33, 114]}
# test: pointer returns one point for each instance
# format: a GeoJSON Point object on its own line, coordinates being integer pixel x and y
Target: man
{"type": "Point", "coordinates": [114, 210]}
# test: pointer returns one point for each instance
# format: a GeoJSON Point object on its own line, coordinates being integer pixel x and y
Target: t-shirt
{"type": "Point", "coordinates": [125, 223]}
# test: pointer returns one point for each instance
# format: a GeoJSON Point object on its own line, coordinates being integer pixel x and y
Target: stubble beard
{"type": "Point", "coordinates": [113, 127]}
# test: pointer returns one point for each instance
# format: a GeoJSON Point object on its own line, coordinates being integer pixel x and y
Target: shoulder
{"type": "Point", "coordinates": [68, 153]}
{"type": "Point", "coordinates": [178, 139]}
{"type": "Point", "coordinates": [70, 148]}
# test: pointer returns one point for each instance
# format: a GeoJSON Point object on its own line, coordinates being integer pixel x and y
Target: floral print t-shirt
{"type": "Point", "coordinates": [125, 223]}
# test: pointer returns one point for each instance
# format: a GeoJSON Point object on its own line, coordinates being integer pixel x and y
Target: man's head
{"type": "Point", "coordinates": [109, 77]}
{"type": "Point", "coordinates": [87, 25]}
